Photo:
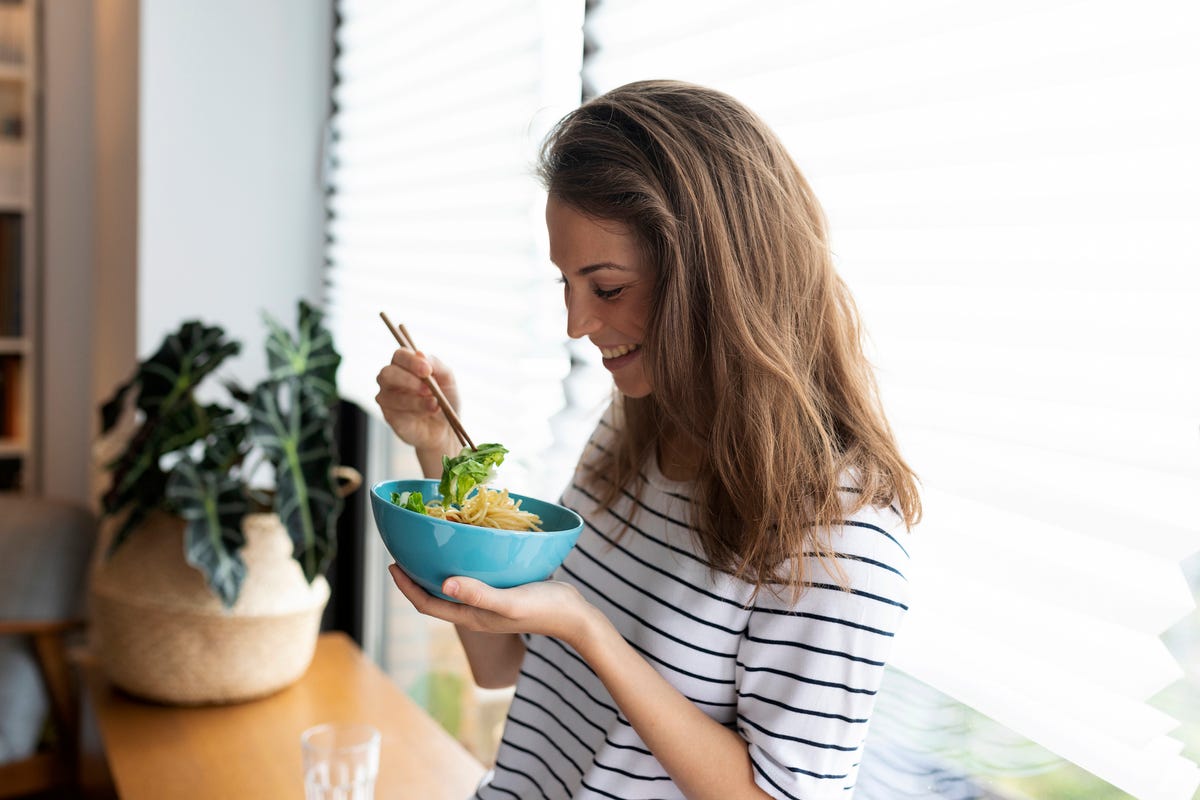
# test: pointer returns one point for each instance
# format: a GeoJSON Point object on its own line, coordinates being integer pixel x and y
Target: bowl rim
{"type": "Point", "coordinates": [476, 529]}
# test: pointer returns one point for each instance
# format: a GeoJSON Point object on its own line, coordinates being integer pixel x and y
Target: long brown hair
{"type": "Point", "coordinates": [753, 347]}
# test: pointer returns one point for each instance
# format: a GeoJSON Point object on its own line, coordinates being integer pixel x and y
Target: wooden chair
{"type": "Point", "coordinates": [51, 767]}
{"type": "Point", "coordinates": [45, 548]}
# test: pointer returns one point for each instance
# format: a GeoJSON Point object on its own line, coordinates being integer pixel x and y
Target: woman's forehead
{"type": "Point", "coordinates": [584, 244]}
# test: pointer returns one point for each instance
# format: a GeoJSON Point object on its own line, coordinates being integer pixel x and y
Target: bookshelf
{"type": "Point", "coordinates": [18, 273]}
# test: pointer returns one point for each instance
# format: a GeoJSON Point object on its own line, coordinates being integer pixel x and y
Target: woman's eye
{"type": "Point", "coordinates": [607, 294]}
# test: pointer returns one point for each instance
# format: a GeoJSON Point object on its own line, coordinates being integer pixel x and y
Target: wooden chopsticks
{"type": "Point", "coordinates": [404, 340]}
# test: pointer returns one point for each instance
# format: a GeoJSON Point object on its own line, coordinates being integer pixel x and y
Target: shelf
{"type": "Point", "coordinates": [20, 114]}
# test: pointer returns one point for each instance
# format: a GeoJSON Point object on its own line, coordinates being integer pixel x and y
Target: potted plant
{"type": "Point", "coordinates": [212, 586]}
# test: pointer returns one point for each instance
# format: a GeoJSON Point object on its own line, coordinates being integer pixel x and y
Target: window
{"type": "Point", "coordinates": [1011, 195]}
{"type": "Point", "coordinates": [436, 219]}
{"type": "Point", "coordinates": [1010, 190]}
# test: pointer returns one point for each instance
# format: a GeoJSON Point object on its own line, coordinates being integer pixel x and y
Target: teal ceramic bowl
{"type": "Point", "coordinates": [430, 550]}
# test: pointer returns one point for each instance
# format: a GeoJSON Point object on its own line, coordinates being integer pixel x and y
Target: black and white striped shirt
{"type": "Point", "coordinates": [797, 682]}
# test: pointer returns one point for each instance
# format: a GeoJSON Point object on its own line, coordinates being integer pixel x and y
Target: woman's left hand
{"type": "Point", "coordinates": [551, 608]}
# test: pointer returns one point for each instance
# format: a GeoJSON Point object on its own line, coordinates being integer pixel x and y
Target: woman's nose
{"type": "Point", "coordinates": [581, 317]}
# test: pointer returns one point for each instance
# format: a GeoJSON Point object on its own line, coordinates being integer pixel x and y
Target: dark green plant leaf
{"type": "Point", "coordinates": [213, 505]}
{"type": "Point", "coordinates": [225, 443]}
{"type": "Point", "coordinates": [133, 473]}
{"type": "Point", "coordinates": [137, 514]}
{"type": "Point", "coordinates": [186, 357]}
{"type": "Point", "coordinates": [193, 422]}
{"type": "Point", "coordinates": [311, 357]}
{"type": "Point", "coordinates": [237, 392]}
{"type": "Point", "coordinates": [290, 418]}
{"type": "Point", "coordinates": [139, 484]}
{"type": "Point", "coordinates": [171, 418]}
{"type": "Point", "coordinates": [294, 428]}
{"type": "Point", "coordinates": [111, 410]}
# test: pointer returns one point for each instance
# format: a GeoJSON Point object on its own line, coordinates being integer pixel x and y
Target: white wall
{"type": "Point", "coordinates": [234, 97]}
{"type": "Point", "coordinates": [181, 156]}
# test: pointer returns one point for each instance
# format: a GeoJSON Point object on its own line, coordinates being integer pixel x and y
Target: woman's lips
{"type": "Point", "coordinates": [617, 357]}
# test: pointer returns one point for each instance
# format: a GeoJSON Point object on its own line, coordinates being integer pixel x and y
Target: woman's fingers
{"type": "Point", "coordinates": [405, 402]}
{"type": "Point", "coordinates": [443, 375]}
{"type": "Point", "coordinates": [408, 402]}
{"type": "Point", "coordinates": [414, 361]}
{"type": "Point", "coordinates": [547, 607]}
{"type": "Point", "coordinates": [400, 379]}
{"type": "Point", "coordinates": [402, 581]}
{"type": "Point", "coordinates": [461, 613]}
{"type": "Point", "coordinates": [402, 392]}
{"type": "Point", "coordinates": [476, 594]}
{"type": "Point", "coordinates": [408, 371]}
{"type": "Point", "coordinates": [422, 600]}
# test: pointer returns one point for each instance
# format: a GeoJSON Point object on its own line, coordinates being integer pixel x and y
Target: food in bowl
{"type": "Point", "coordinates": [458, 526]}
{"type": "Point", "coordinates": [431, 549]}
{"type": "Point", "coordinates": [466, 473]}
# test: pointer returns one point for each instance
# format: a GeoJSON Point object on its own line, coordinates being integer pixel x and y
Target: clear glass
{"type": "Point", "coordinates": [341, 761]}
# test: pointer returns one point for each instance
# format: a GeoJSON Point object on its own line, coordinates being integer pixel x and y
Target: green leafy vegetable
{"type": "Point", "coordinates": [410, 500]}
{"type": "Point", "coordinates": [469, 468]}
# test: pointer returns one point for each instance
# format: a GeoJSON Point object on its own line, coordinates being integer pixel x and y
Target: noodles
{"type": "Point", "coordinates": [488, 508]}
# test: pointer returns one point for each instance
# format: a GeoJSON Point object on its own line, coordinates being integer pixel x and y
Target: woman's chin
{"type": "Point", "coordinates": [635, 389]}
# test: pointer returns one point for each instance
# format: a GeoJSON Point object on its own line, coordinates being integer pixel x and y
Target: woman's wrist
{"type": "Point", "coordinates": [593, 635]}
{"type": "Point", "coordinates": [430, 458]}
{"type": "Point", "coordinates": [494, 658]}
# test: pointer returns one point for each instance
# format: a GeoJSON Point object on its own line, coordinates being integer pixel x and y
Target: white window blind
{"type": "Point", "coordinates": [436, 217]}
{"type": "Point", "coordinates": [1012, 195]}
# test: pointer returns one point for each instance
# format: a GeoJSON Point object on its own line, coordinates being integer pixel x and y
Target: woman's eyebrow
{"type": "Point", "coordinates": [590, 268]}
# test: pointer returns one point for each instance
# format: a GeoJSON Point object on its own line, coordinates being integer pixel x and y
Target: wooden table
{"type": "Point", "coordinates": [252, 749]}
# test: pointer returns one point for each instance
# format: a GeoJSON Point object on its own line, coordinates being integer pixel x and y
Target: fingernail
{"type": "Point", "coordinates": [451, 588]}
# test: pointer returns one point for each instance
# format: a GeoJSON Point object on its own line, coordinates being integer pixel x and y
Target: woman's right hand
{"type": "Point", "coordinates": [409, 406]}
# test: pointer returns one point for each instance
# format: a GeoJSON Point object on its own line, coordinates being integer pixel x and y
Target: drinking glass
{"type": "Point", "coordinates": [341, 761]}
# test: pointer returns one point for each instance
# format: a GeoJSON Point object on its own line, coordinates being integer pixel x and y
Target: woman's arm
{"type": "Point", "coordinates": [706, 760]}
{"type": "Point", "coordinates": [411, 410]}
{"type": "Point", "coordinates": [495, 657]}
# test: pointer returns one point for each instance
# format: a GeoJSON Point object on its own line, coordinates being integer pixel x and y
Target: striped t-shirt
{"type": "Point", "coordinates": [798, 683]}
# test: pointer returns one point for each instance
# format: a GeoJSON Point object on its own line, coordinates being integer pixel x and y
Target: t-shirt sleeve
{"type": "Point", "coordinates": [808, 673]}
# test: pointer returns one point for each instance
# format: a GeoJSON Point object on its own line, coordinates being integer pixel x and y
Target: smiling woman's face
{"type": "Point", "coordinates": [607, 286]}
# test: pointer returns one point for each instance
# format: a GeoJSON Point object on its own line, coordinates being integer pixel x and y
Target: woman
{"type": "Point", "coordinates": [720, 629]}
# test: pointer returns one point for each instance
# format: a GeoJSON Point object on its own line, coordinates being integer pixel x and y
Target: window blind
{"type": "Point", "coordinates": [1011, 189]}
{"type": "Point", "coordinates": [435, 216]}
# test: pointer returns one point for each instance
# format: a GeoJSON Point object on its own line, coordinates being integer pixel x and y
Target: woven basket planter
{"type": "Point", "coordinates": [162, 635]}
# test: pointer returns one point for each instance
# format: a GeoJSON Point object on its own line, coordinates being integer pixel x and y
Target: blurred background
{"type": "Point", "coordinates": [1012, 194]}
